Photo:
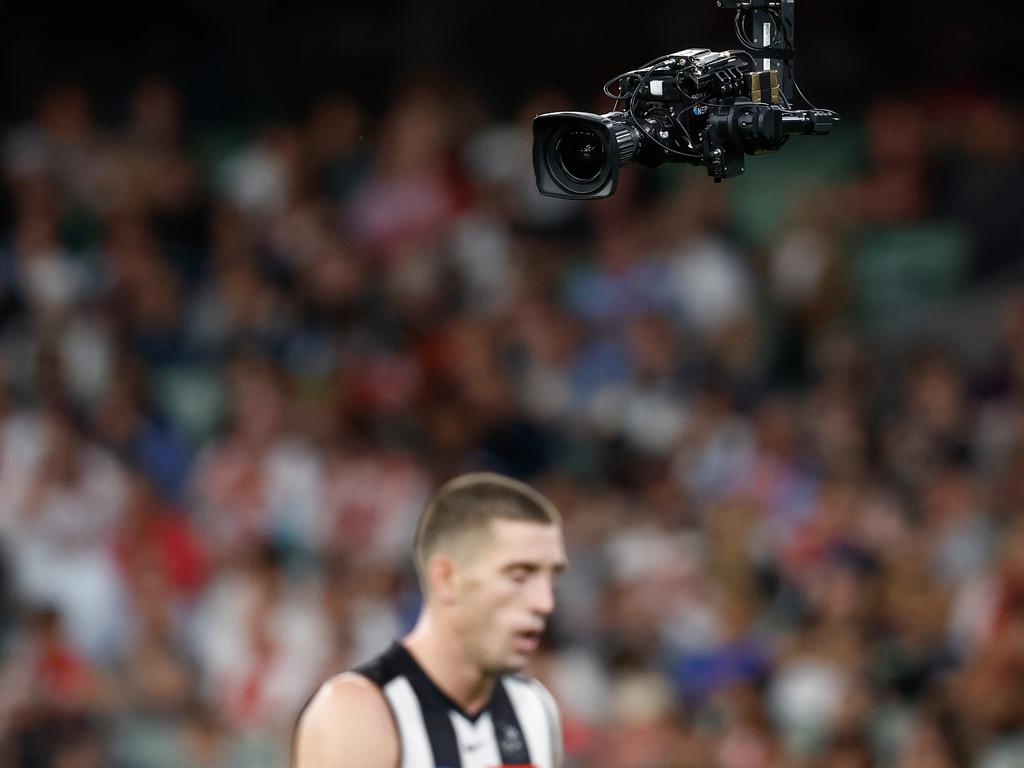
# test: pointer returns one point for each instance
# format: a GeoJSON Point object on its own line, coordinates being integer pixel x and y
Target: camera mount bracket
{"type": "Point", "coordinates": [773, 23]}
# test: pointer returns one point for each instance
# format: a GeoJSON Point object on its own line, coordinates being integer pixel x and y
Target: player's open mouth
{"type": "Point", "coordinates": [528, 640]}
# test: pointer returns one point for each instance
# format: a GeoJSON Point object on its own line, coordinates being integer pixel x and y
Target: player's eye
{"type": "Point", "coordinates": [519, 575]}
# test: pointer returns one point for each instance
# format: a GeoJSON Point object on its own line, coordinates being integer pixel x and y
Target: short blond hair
{"type": "Point", "coordinates": [467, 504]}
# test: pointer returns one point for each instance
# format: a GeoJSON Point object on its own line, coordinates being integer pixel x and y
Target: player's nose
{"type": "Point", "coordinates": [542, 597]}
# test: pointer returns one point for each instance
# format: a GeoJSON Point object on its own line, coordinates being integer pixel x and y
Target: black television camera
{"type": "Point", "coordinates": [696, 106]}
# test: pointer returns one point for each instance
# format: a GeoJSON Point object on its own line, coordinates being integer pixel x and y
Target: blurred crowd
{"type": "Point", "coordinates": [786, 434]}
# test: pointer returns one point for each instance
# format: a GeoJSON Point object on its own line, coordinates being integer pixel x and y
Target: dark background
{"type": "Point", "coordinates": [256, 60]}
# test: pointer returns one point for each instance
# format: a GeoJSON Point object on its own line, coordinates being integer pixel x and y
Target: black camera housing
{"type": "Point", "coordinates": [696, 106]}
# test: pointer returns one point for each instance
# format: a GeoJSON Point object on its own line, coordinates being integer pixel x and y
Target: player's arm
{"type": "Point", "coordinates": [347, 725]}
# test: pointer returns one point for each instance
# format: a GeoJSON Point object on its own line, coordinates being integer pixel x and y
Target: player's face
{"type": "Point", "coordinates": [506, 592]}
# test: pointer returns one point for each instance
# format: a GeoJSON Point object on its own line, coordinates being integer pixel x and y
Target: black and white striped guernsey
{"type": "Point", "coordinates": [519, 726]}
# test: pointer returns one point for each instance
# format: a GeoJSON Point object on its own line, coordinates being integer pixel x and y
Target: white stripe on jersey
{"type": "Point", "coordinates": [554, 721]}
{"type": "Point", "coordinates": [412, 731]}
{"type": "Point", "coordinates": [531, 711]}
{"type": "Point", "coordinates": [478, 747]}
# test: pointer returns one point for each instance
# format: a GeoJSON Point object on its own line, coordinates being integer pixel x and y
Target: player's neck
{"type": "Point", "coordinates": [443, 658]}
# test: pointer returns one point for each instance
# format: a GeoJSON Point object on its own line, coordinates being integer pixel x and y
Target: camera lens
{"type": "Point", "coordinates": [582, 154]}
{"type": "Point", "coordinates": [577, 155]}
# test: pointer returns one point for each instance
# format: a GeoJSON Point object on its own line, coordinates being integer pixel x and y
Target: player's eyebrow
{"type": "Point", "coordinates": [531, 566]}
{"type": "Point", "coordinates": [524, 565]}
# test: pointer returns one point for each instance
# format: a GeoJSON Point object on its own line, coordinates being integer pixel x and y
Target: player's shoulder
{"type": "Point", "coordinates": [544, 694]}
{"type": "Point", "coordinates": [353, 695]}
{"type": "Point", "coordinates": [534, 686]}
{"type": "Point", "coordinates": [351, 687]}
{"type": "Point", "coordinates": [347, 722]}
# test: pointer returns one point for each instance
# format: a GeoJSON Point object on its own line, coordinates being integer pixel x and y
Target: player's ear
{"type": "Point", "coordinates": [441, 575]}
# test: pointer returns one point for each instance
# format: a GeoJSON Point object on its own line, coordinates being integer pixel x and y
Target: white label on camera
{"type": "Point", "coordinates": [656, 88]}
{"type": "Point", "coordinates": [766, 39]}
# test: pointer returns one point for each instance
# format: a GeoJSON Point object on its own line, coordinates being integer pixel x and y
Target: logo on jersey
{"type": "Point", "coordinates": [511, 740]}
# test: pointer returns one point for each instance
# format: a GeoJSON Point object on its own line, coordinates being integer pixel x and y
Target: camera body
{"type": "Point", "coordinates": [695, 106]}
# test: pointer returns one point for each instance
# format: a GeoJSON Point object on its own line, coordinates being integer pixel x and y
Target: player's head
{"type": "Point", "coordinates": [488, 549]}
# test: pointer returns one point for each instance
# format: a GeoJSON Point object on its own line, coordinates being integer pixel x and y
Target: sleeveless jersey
{"type": "Point", "coordinates": [518, 728]}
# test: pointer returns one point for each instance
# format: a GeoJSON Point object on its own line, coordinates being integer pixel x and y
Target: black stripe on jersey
{"type": "Point", "coordinates": [440, 730]}
{"type": "Point", "coordinates": [507, 731]}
